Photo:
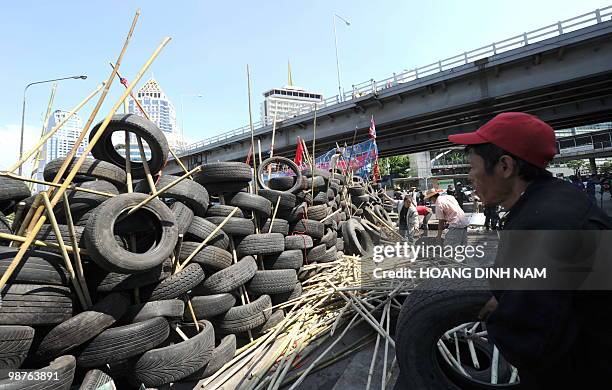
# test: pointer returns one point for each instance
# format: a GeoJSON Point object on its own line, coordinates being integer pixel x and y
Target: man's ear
{"type": "Point", "coordinates": [505, 166]}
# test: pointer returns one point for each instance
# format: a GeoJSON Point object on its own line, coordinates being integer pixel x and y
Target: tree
{"type": "Point", "coordinates": [395, 165]}
{"type": "Point", "coordinates": [606, 168]}
{"type": "Point", "coordinates": [576, 165]}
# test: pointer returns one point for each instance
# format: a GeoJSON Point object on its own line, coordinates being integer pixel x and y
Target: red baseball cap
{"type": "Point", "coordinates": [525, 136]}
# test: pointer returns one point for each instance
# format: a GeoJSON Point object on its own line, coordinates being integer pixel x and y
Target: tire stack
{"type": "Point", "coordinates": [141, 305]}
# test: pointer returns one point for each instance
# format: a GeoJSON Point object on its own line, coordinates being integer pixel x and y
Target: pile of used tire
{"type": "Point", "coordinates": [140, 328]}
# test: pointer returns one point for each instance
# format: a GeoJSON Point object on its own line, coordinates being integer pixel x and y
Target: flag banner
{"type": "Point", "coordinates": [372, 131]}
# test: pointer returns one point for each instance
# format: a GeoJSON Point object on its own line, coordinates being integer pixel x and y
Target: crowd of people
{"type": "Point", "coordinates": [593, 185]}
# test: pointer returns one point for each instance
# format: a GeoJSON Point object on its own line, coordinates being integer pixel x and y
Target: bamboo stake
{"type": "Point", "coordinates": [146, 115]}
{"type": "Point", "coordinates": [71, 187]}
{"type": "Point", "coordinates": [26, 221]}
{"type": "Point", "coordinates": [77, 256]}
{"type": "Point", "coordinates": [54, 130]}
{"type": "Point", "coordinates": [165, 188]}
{"type": "Point", "coordinates": [14, 237]}
{"type": "Point", "coordinates": [384, 373]}
{"type": "Point", "coordinates": [252, 129]}
{"type": "Point", "coordinates": [274, 214]}
{"type": "Point", "coordinates": [193, 316]}
{"type": "Point", "coordinates": [375, 354]}
{"type": "Point", "coordinates": [259, 150]}
{"type": "Point", "coordinates": [314, 139]}
{"type": "Point", "coordinates": [128, 162]}
{"type": "Point", "coordinates": [39, 156]}
{"type": "Point", "coordinates": [201, 245]}
{"type": "Point", "coordinates": [60, 241]}
{"type": "Point", "coordinates": [11, 268]}
{"type": "Point", "coordinates": [145, 164]}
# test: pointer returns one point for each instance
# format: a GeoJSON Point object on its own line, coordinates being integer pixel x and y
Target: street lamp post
{"type": "Point", "coordinates": [82, 77]}
{"type": "Point", "coordinates": [198, 95]}
{"type": "Point", "coordinates": [337, 57]}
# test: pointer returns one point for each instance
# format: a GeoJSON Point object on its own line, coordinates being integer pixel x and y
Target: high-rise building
{"type": "Point", "coordinates": [287, 102]}
{"type": "Point", "coordinates": [160, 110]}
{"type": "Point", "coordinates": [62, 142]}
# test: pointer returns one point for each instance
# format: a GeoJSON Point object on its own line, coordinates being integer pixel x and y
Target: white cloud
{"type": "Point", "coordinates": [9, 144]}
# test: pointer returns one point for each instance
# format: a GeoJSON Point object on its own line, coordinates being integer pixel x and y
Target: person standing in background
{"type": "Point", "coordinates": [459, 195]}
{"type": "Point", "coordinates": [449, 212]}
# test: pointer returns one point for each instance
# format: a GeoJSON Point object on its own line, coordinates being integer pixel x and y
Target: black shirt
{"type": "Point", "coordinates": [553, 337]}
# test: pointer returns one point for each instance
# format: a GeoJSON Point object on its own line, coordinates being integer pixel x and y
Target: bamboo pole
{"type": "Point", "coordinates": [145, 164]}
{"type": "Point", "coordinates": [54, 130]}
{"type": "Point", "coordinates": [60, 241]}
{"type": "Point", "coordinates": [375, 354]}
{"type": "Point", "coordinates": [313, 162]}
{"type": "Point", "coordinates": [16, 238]}
{"type": "Point", "coordinates": [252, 129]}
{"type": "Point", "coordinates": [128, 162]}
{"type": "Point", "coordinates": [165, 188]}
{"type": "Point", "coordinates": [274, 214]}
{"type": "Point", "coordinates": [26, 220]}
{"type": "Point", "coordinates": [77, 256]}
{"type": "Point", "coordinates": [39, 156]}
{"type": "Point", "coordinates": [259, 150]}
{"type": "Point", "coordinates": [201, 245]}
{"type": "Point", "coordinates": [193, 316]}
{"type": "Point", "coordinates": [11, 268]}
{"type": "Point", "coordinates": [384, 373]}
{"type": "Point", "coordinates": [71, 187]}
{"type": "Point", "coordinates": [146, 115]}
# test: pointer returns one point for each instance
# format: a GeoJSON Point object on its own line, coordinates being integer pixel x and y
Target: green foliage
{"type": "Point", "coordinates": [398, 165]}
{"type": "Point", "coordinates": [576, 165]}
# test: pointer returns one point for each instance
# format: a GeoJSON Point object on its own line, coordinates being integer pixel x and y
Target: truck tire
{"type": "Point", "coordinates": [104, 250]}
{"type": "Point", "coordinates": [174, 362]}
{"type": "Point", "coordinates": [147, 130]}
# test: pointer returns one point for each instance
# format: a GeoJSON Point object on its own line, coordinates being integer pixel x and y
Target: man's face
{"type": "Point", "coordinates": [492, 189]}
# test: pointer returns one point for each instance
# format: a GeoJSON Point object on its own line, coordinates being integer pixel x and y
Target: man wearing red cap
{"type": "Point", "coordinates": [556, 339]}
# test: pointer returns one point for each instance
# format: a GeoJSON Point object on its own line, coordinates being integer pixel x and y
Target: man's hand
{"type": "Point", "coordinates": [487, 309]}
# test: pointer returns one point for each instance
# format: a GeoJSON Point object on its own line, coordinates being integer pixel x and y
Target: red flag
{"type": "Point", "coordinates": [299, 152]}
{"type": "Point", "coordinates": [372, 131]}
{"type": "Point", "coordinates": [376, 173]}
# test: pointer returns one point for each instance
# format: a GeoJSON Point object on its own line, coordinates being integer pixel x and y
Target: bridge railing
{"type": "Point", "coordinates": [374, 87]}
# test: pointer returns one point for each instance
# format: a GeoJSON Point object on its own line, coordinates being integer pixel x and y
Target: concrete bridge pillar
{"type": "Point", "coordinates": [592, 165]}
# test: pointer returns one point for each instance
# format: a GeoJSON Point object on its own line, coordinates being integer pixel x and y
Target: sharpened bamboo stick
{"type": "Point", "coordinates": [274, 214]}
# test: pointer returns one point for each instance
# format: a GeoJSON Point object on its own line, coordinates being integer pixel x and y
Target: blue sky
{"type": "Point", "coordinates": [213, 41]}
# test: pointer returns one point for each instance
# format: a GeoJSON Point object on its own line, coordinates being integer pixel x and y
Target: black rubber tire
{"type": "Point", "coordinates": [339, 244]}
{"type": "Point", "coordinates": [5, 224]}
{"type": "Point", "coordinates": [325, 174]}
{"type": "Point", "coordinates": [35, 304]}
{"type": "Point", "coordinates": [356, 191]}
{"type": "Point", "coordinates": [209, 306]}
{"type": "Point", "coordinates": [272, 282]}
{"type": "Point", "coordinates": [82, 327]}
{"type": "Point", "coordinates": [36, 267]}
{"type": "Point", "coordinates": [287, 199]}
{"type": "Point", "coordinates": [298, 241]}
{"type": "Point", "coordinates": [221, 210]}
{"type": "Point", "coordinates": [242, 318]}
{"type": "Point", "coordinates": [222, 354]}
{"type": "Point", "coordinates": [147, 130]}
{"type": "Point", "coordinates": [317, 212]}
{"type": "Point", "coordinates": [320, 199]}
{"type": "Point", "coordinates": [176, 285]}
{"type": "Point", "coordinates": [315, 254]}
{"type": "Point", "coordinates": [201, 228]}
{"type": "Point", "coordinates": [183, 215]}
{"type": "Point", "coordinates": [435, 306]}
{"type": "Point", "coordinates": [228, 279]}
{"type": "Point", "coordinates": [189, 192]}
{"type": "Point", "coordinates": [357, 241]}
{"type": "Point", "coordinates": [329, 256]}
{"type": "Point", "coordinates": [47, 234]}
{"type": "Point", "coordinates": [15, 342]}
{"type": "Point", "coordinates": [252, 202]}
{"type": "Point", "coordinates": [91, 169]}
{"type": "Point", "coordinates": [303, 197]}
{"type": "Point", "coordinates": [219, 172]}
{"type": "Point", "coordinates": [116, 344]}
{"type": "Point", "coordinates": [82, 202]}
{"type": "Point", "coordinates": [262, 168]}
{"type": "Point", "coordinates": [275, 318]}
{"type": "Point", "coordinates": [281, 183]}
{"type": "Point", "coordinates": [315, 229]}
{"type": "Point", "coordinates": [211, 258]}
{"type": "Point", "coordinates": [319, 184]}
{"type": "Point", "coordinates": [261, 244]}
{"type": "Point", "coordinates": [174, 362]}
{"type": "Point", "coordinates": [104, 250]}
{"type": "Point", "coordinates": [329, 238]}
{"type": "Point", "coordinates": [12, 191]}
{"type": "Point", "coordinates": [295, 292]}
{"type": "Point", "coordinates": [279, 226]}
{"type": "Point", "coordinates": [63, 368]}
{"type": "Point", "coordinates": [105, 281]}
{"type": "Point", "coordinates": [94, 379]}
{"type": "Point", "coordinates": [297, 213]}
{"type": "Point", "coordinates": [288, 259]}
{"type": "Point", "coordinates": [234, 226]}
{"type": "Point", "coordinates": [170, 308]}
{"type": "Point", "coordinates": [226, 187]}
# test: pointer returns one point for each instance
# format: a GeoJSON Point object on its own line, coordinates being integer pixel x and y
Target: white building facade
{"type": "Point", "coordinates": [287, 102]}
{"type": "Point", "coordinates": [160, 110]}
{"type": "Point", "coordinates": [63, 141]}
